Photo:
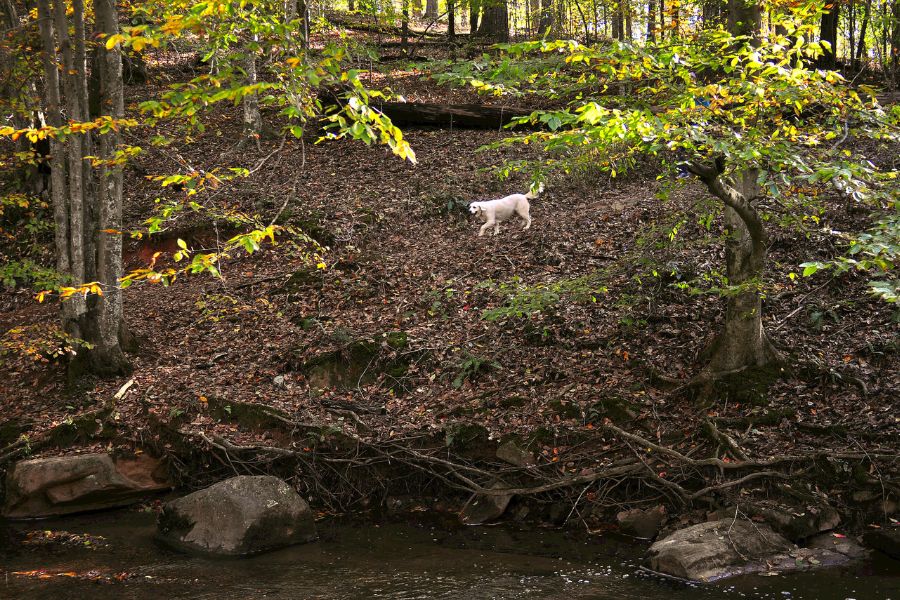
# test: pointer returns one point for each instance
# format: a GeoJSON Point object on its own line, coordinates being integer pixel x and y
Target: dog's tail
{"type": "Point", "coordinates": [534, 192]}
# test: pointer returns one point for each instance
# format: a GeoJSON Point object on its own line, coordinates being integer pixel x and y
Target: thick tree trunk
{"type": "Point", "coordinates": [431, 9]}
{"type": "Point", "coordinates": [474, 9]}
{"type": "Point", "coordinates": [828, 33]}
{"type": "Point", "coordinates": [743, 344]}
{"type": "Point", "coordinates": [107, 357]}
{"type": "Point", "coordinates": [744, 17]}
{"type": "Point", "coordinates": [86, 211]}
{"type": "Point", "coordinates": [495, 21]}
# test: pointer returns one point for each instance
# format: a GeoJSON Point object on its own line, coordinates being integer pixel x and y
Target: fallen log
{"type": "Point", "coordinates": [464, 116]}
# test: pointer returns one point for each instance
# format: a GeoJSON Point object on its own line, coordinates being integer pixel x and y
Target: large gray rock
{"type": "Point", "coordinates": [238, 517]}
{"type": "Point", "coordinates": [715, 550]}
{"type": "Point", "coordinates": [44, 487]}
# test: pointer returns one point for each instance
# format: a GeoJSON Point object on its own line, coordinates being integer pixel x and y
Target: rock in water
{"type": "Point", "coordinates": [642, 523]}
{"type": "Point", "coordinates": [886, 540]}
{"type": "Point", "coordinates": [715, 550]}
{"type": "Point", "coordinates": [238, 517]}
{"type": "Point", "coordinates": [482, 508]}
{"type": "Point", "coordinates": [44, 487]}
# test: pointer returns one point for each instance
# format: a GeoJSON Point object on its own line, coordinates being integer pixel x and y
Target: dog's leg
{"type": "Point", "coordinates": [497, 228]}
{"type": "Point", "coordinates": [485, 227]}
{"type": "Point", "coordinates": [524, 212]}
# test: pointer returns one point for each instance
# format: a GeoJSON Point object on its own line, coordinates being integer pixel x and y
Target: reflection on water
{"type": "Point", "coordinates": [398, 561]}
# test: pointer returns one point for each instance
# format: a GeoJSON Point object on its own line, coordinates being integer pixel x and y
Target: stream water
{"type": "Point", "coordinates": [395, 560]}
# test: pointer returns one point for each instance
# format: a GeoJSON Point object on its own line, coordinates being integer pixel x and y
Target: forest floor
{"type": "Point", "coordinates": [389, 345]}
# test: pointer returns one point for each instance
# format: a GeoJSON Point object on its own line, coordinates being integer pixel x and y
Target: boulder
{"type": "Point", "coordinates": [885, 540]}
{"type": "Point", "coordinates": [482, 508]}
{"type": "Point", "coordinates": [642, 523]}
{"type": "Point", "coordinates": [716, 550]}
{"type": "Point", "coordinates": [238, 517]}
{"type": "Point", "coordinates": [60, 485]}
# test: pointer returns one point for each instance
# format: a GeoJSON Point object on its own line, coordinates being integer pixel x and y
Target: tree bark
{"type": "Point", "coordinates": [451, 19]}
{"type": "Point", "coordinates": [431, 9]}
{"type": "Point", "coordinates": [861, 45]}
{"type": "Point", "coordinates": [474, 9]}
{"type": "Point", "coordinates": [495, 21]}
{"type": "Point", "coordinates": [743, 343]}
{"type": "Point", "coordinates": [651, 20]}
{"type": "Point", "coordinates": [107, 357]}
{"type": "Point", "coordinates": [87, 211]}
{"type": "Point", "coordinates": [895, 41]}
{"type": "Point", "coordinates": [253, 122]}
{"type": "Point", "coordinates": [744, 18]}
{"type": "Point", "coordinates": [828, 33]}
{"type": "Point", "coordinates": [545, 24]}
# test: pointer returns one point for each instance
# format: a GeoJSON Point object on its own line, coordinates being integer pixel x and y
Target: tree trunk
{"type": "Point", "coordinates": [651, 20]}
{"type": "Point", "coordinates": [431, 9]}
{"type": "Point", "coordinates": [451, 19]}
{"type": "Point", "coordinates": [861, 46]}
{"type": "Point", "coordinates": [743, 343]}
{"type": "Point", "coordinates": [895, 41]}
{"type": "Point", "coordinates": [495, 21]}
{"type": "Point", "coordinates": [627, 33]}
{"type": "Point", "coordinates": [253, 121]}
{"type": "Point", "coordinates": [545, 24]}
{"type": "Point", "coordinates": [107, 356]}
{"type": "Point", "coordinates": [87, 212]}
{"type": "Point", "coordinates": [744, 18]}
{"type": "Point", "coordinates": [474, 8]}
{"type": "Point", "coordinates": [828, 33]}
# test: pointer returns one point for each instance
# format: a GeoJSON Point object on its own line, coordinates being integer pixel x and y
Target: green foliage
{"type": "Point", "coordinates": [526, 300]}
{"type": "Point", "coordinates": [28, 273]}
{"type": "Point", "coordinates": [876, 250]}
{"type": "Point", "coordinates": [471, 367]}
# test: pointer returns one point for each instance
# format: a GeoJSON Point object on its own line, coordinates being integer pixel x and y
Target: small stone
{"type": "Point", "coordinates": [278, 381]}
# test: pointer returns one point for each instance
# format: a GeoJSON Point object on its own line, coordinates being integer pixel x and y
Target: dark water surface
{"type": "Point", "coordinates": [399, 561]}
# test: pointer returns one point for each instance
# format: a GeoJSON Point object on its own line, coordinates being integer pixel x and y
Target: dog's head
{"type": "Point", "coordinates": [475, 208]}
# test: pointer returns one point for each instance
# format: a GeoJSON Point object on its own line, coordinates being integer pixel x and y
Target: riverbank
{"type": "Point", "coordinates": [400, 370]}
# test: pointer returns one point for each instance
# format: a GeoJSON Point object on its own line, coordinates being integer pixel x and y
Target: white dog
{"type": "Point", "coordinates": [494, 212]}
